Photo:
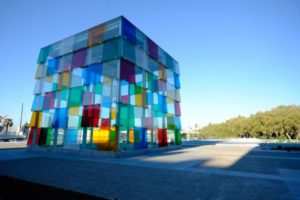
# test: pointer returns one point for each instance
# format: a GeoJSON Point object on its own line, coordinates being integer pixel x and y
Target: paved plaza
{"type": "Point", "coordinates": [212, 170]}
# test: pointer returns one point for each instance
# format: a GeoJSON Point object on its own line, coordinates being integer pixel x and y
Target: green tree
{"type": "Point", "coordinates": [25, 129]}
{"type": "Point", "coordinates": [282, 122]}
{"type": "Point", "coordinates": [8, 122]}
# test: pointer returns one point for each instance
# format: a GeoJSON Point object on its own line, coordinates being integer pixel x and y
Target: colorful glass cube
{"type": "Point", "coordinates": [107, 88]}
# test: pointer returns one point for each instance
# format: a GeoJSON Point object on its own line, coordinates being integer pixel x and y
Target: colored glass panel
{"type": "Point", "coordinates": [79, 59]}
{"type": "Point", "coordinates": [96, 35]}
{"type": "Point", "coordinates": [128, 31]}
{"type": "Point", "coordinates": [162, 137]}
{"type": "Point", "coordinates": [178, 137]}
{"type": "Point", "coordinates": [71, 136]}
{"type": "Point", "coordinates": [36, 119]}
{"type": "Point", "coordinates": [140, 139]}
{"type": "Point", "coordinates": [131, 136]}
{"type": "Point", "coordinates": [152, 49]}
{"type": "Point", "coordinates": [60, 118]}
{"type": "Point", "coordinates": [75, 96]}
{"type": "Point", "coordinates": [127, 71]}
{"type": "Point", "coordinates": [177, 108]}
{"type": "Point", "coordinates": [90, 116]}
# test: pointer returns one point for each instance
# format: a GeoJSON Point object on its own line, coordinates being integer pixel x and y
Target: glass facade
{"type": "Point", "coordinates": [108, 88]}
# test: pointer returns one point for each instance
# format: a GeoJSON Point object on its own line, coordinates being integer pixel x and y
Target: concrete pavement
{"type": "Point", "coordinates": [208, 171]}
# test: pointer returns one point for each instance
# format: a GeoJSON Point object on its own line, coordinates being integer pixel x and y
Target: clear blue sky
{"type": "Point", "coordinates": [237, 57]}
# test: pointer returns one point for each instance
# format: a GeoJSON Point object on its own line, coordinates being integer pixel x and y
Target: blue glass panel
{"type": "Point", "coordinates": [176, 81]}
{"type": "Point", "coordinates": [140, 139]}
{"type": "Point", "coordinates": [52, 66]}
{"type": "Point", "coordinates": [128, 31]}
{"type": "Point", "coordinates": [149, 98]}
{"type": "Point", "coordinates": [162, 101]}
{"type": "Point", "coordinates": [60, 118]}
{"type": "Point", "coordinates": [92, 74]}
{"type": "Point", "coordinates": [106, 101]}
{"type": "Point", "coordinates": [37, 103]}
{"type": "Point", "coordinates": [71, 137]}
{"type": "Point", "coordinates": [154, 87]}
{"type": "Point", "coordinates": [164, 105]}
{"type": "Point", "coordinates": [170, 62]}
{"type": "Point", "coordinates": [178, 122]}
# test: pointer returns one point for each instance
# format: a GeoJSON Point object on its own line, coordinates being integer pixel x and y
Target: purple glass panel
{"type": "Point", "coordinates": [127, 71]}
{"type": "Point", "coordinates": [152, 48]}
{"type": "Point", "coordinates": [49, 100]}
{"type": "Point", "coordinates": [79, 59]}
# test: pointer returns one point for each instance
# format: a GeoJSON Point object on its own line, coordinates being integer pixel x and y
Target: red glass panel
{"type": "Point", "coordinates": [90, 115]}
{"type": "Point", "coordinates": [162, 137]}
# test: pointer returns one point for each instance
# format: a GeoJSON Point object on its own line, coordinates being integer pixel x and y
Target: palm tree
{"type": "Point", "coordinates": [8, 122]}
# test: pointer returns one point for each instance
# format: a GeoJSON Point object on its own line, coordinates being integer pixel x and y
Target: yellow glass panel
{"type": "Point", "coordinates": [162, 74]}
{"type": "Point", "coordinates": [170, 115]}
{"type": "Point", "coordinates": [96, 136]}
{"type": "Point", "coordinates": [113, 113]}
{"type": "Point", "coordinates": [131, 136]}
{"type": "Point", "coordinates": [65, 78]}
{"type": "Point", "coordinates": [74, 111]}
{"type": "Point", "coordinates": [138, 100]}
{"type": "Point", "coordinates": [100, 136]}
{"type": "Point", "coordinates": [36, 119]}
{"type": "Point", "coordinates": [104, 136]}
{"type": "Point", "coordinates": [49, 78]}
{"type": "Point", "coordinates": [106, 80]}
{"type": "Point", "coordinates": [39, 71]}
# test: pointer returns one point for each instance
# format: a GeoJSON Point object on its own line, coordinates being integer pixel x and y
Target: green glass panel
{"type": "Point", "coordinates": [171, 126]}
{"type": "Point", "coordinates": [155, 107]}
{"type": "Point", "coordinates": [112, 136]}
{"type": "Point", "coordinates": [124, 124]}
{"type": "Point", "coordinates": [124, 111]}
{"type": "Point", "coordinates": [131, 111]}
{"type": "Point", "coordinates": [79, 121]}
{"type": "Point", "coordinates": [138, 89]}
{"type": "Point", "coordinates": [75, 97]}
{"type": "Point", "coordinates": [111, 50]}
{"type": "Point", "coordinates": [158, 114]}
{"type": "Point", "coordinates": [171, 123]}
{"type": "Point", "coordinates": [177, 137]}
{"type": "Point", "coordinates": [54, 86]}
{"type": "Point", "coordinates": [64, 94]}
{"type": "Point", "coordinates": [49, 136]}
{"type": "Point", "coordinates": [131, 122]}
{"type": "Point", "coordinates": [150, 76]}
{"type": "Point", "coordinates": [98, 88]}
{"type": "Point", "coordinates": [131, 116]}
{"type": "Point", "coordinates": [132, 89]}
{"type": "Point", "coordinates": [43, 54]}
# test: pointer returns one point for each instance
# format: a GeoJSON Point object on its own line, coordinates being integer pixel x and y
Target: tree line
{"type": "Point", "coordinates": [282, 122]}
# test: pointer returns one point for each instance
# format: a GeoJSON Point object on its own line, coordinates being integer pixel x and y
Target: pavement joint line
{"type": "Point", "coordinates": [275, 157]}
{"type": "Point", "coordinates": [270, 157]}
{"type": "Point", "coordinates": [237, 173]}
